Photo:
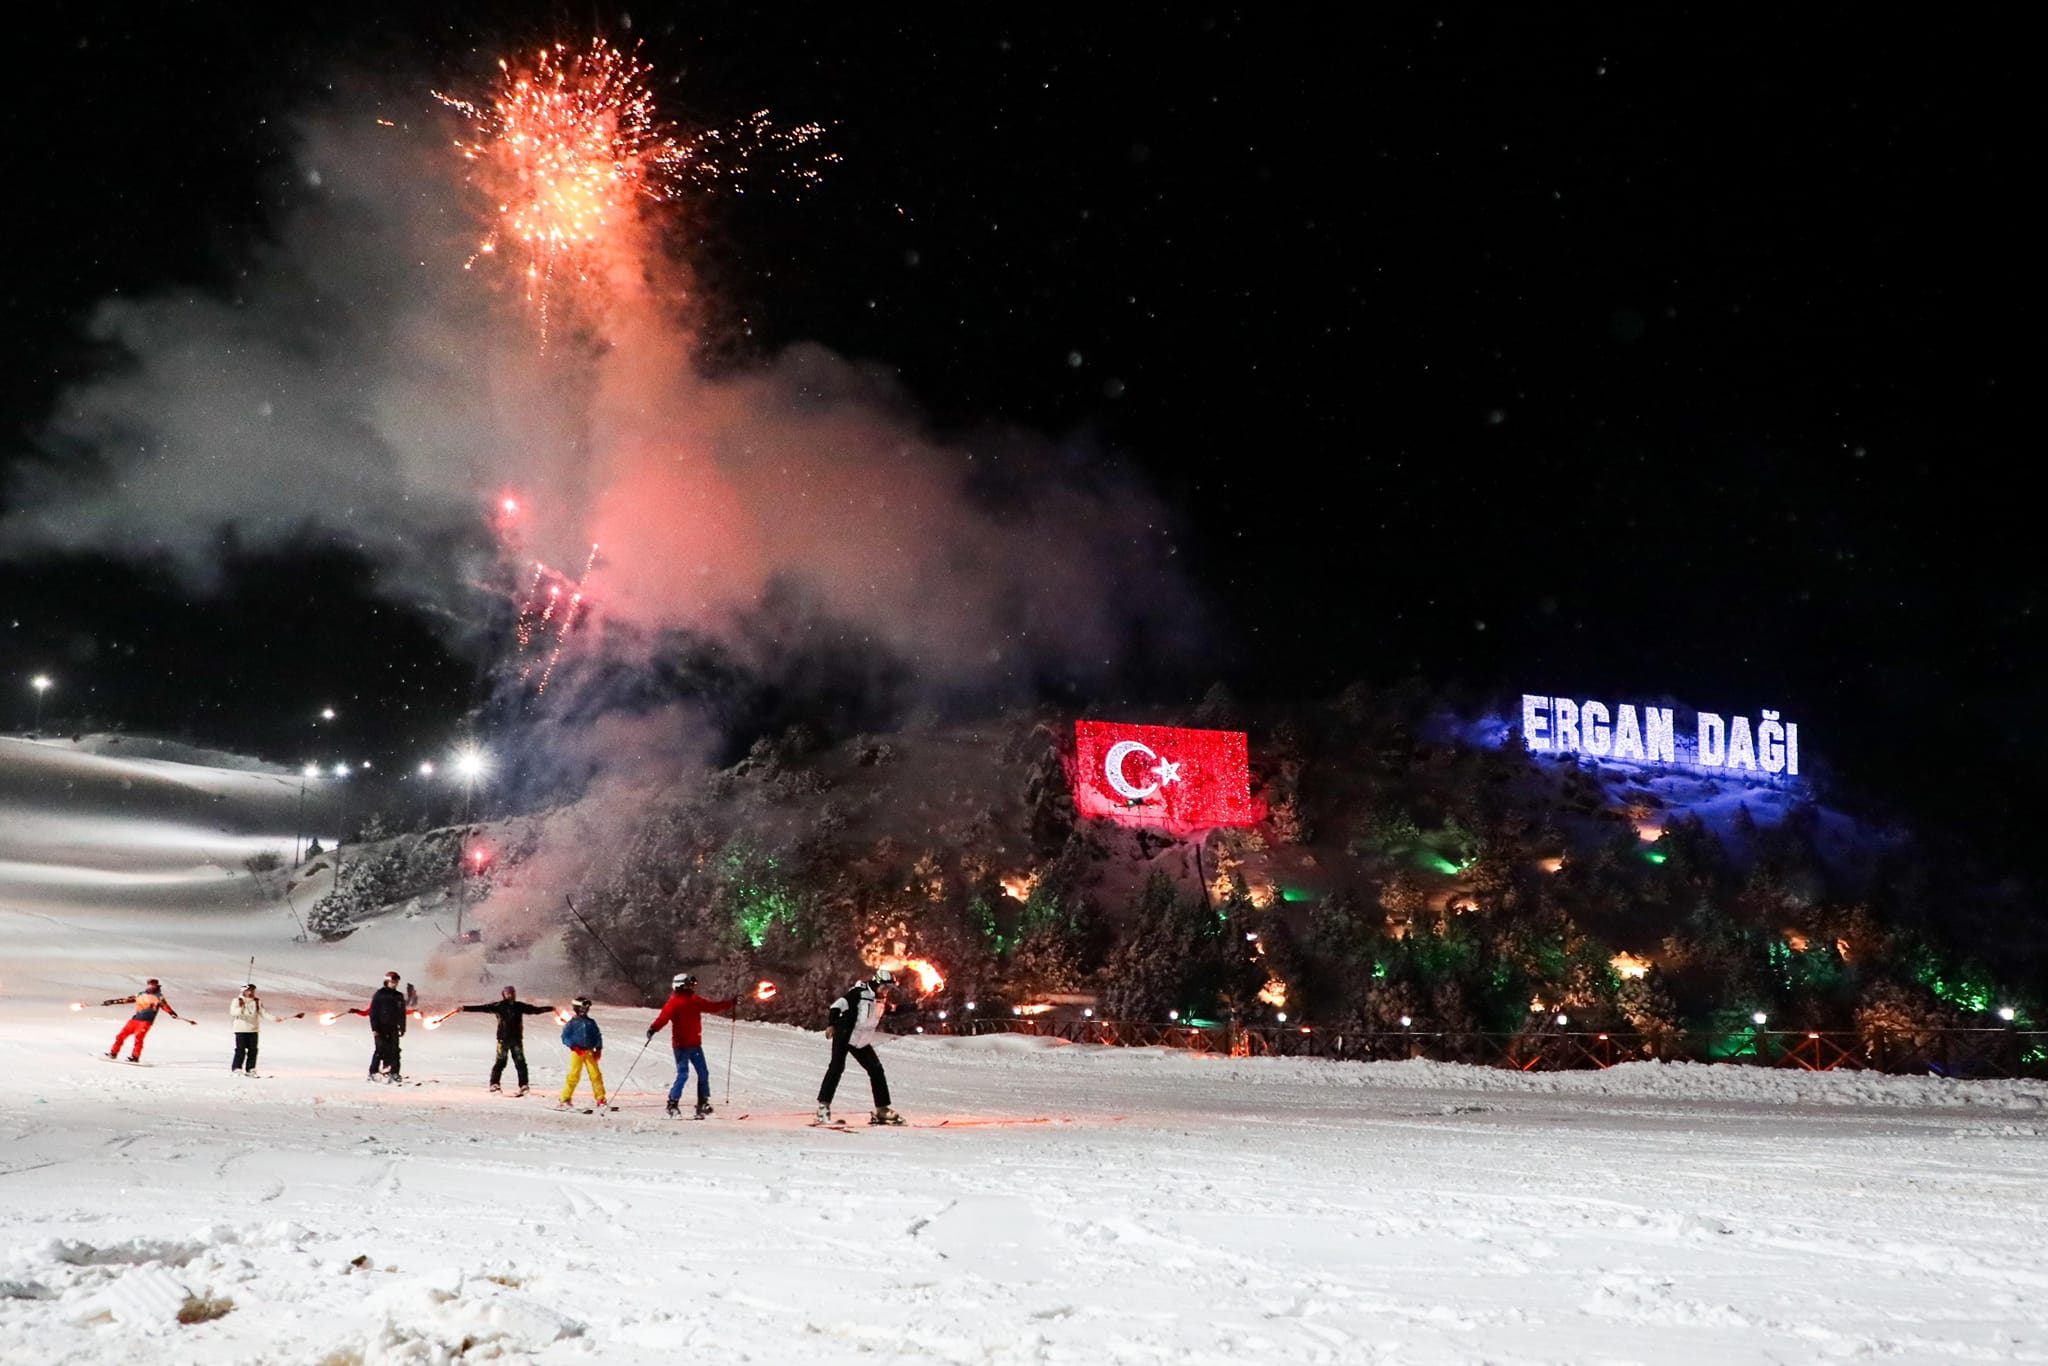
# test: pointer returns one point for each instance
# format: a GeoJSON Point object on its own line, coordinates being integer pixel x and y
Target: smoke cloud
{"type": "Point", "coordinates": [360, 386]}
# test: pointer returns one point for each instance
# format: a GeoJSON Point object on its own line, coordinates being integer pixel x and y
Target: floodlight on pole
{"type": "Point", "coordinates": [2007, 1014]}
{"type": "Point", "coordinates": [471, 765]}
{"type": "Point", "coordinates": [42, 683]}
{"type": "Point", "coordinates": [1760, 1018]}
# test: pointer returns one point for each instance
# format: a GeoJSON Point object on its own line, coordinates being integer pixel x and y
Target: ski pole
{"type": "Point", "coordinates": [636, 1062]}
{"type": "Point", "coordinates": [733, 1038]}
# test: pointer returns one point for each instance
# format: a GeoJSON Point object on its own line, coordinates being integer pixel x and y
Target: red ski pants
{"type": "Point", "coordinates": [135, 1029]}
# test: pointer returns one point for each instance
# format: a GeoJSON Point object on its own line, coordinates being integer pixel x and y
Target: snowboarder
{"type": "Point", "coordinates": [387, 1026]}
{"type": "Point", "coordinates": [511, 1013]}
{"type": "Point", "coordinates": [856, 1016]}
{"type": "Point", "coordinates": [684, 1013]}
{"type": "Point", "coordinates": [147, 1003]}
{"type": "Point", "coordinates": [247, 1013]}
{"type": "Point", "coordinates": [585, 1041]}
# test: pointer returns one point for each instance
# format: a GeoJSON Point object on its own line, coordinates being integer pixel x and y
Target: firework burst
{"type": "Point", "coordinates": [570, 149]}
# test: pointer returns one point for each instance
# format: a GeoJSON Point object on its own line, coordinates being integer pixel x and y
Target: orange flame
{"type": "Point", "coordinates": [765, 990]}
{"type": "Point", "coordinates": [327, 1017]}
{"type": "Point", "coordinates": [930, 979]}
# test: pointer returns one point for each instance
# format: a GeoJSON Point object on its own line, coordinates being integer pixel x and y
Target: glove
{"type": "Point", "coordinates": [650, 1036]}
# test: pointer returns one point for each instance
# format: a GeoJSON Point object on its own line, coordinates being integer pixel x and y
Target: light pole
{"type": "Point", "coordinates": [299, 837]}
{"type": "Point", "coordinates": [471, 764]}
{"type": "Point", "coordinates": [41, 683]}
{"type": "Point", "coordinates": [341, 823]}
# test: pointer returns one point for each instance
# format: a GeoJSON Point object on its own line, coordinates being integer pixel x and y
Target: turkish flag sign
{"type": "Point", "coordinates": [1162, 775]}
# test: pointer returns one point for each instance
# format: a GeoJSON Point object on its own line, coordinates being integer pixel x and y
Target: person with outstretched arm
{"type": "Point", "coordinates": [585, 1041]}
{"type": "Point", "coordinates": [511, 1013]}
{"type": "Point", "coordinates": [147, 1003]}
{"type": "Point", "coordinates": [856, 1018]}
{"type": "Point", "coordinates": [246, 1013]}
{"type": "Point", "coordinates": [387, 1026]}
{"type": "Point", "coordinates": [684, 1013]}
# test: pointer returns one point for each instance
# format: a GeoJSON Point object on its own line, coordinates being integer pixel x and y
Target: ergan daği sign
{"type": "Point", "coordinates": [1646, 735]}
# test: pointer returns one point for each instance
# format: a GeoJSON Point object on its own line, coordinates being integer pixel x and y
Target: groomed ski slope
{"type": "Point", "coordinates": [1167, 1209]}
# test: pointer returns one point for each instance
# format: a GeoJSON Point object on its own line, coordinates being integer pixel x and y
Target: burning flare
{"type": "Point", "coordinates": [764, 990]}
{"type": "Point", "coordinates": [930, 979]}
{"type": "Point", "coordinates": [328, 1017]}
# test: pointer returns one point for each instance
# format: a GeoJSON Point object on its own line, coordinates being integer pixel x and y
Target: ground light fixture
{"type": "Point", "coordinates": [1760, 1018]}
{"type": "Point", "coordinates": [2007, 1014]}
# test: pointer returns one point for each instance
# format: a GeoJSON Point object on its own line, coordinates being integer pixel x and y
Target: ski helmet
{"type": "Point", "coordinates": [884, 977]}
{"type": "Point", "coordinates": [152, 982]}
{"type": "Point", "coordinates": [391, 977]}
{"type": "Point", "coordinates": [509, 992]}
{"type": "Point", "coordinates": [249, 987]}
{"type": "Point", "coordinates": [684, 982]}
{"type": "Point", "coordinates": [581, 1005]}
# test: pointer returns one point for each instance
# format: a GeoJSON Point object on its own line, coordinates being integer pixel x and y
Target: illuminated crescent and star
{"type": "Point", "coordinates": [1163, 771]}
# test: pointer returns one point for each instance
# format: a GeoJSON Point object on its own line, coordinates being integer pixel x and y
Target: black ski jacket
{"type": "Point", "coordinates": [387, 1011]}
{"type": "Point", "coordinates": [511, 1018]}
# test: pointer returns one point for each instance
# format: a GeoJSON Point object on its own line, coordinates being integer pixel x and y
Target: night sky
{"type": "Point", "coordinates": [1616, 356]}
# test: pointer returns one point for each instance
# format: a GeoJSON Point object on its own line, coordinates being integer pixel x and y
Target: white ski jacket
{"type": "Point", "coordinates": [857, 1015]}
{"type": "Point", "coordinates": [246, 1013]}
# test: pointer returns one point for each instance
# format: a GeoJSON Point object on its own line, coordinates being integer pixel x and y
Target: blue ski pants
{"type": "Point", "coordinates": [685, 1059]}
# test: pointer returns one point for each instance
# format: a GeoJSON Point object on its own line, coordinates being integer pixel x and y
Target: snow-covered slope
{"type": "Point", "coordinates": [1056, 1204]}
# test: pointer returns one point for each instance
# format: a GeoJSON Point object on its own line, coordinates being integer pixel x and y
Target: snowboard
{"type": "Point", "coordinates": [131, 1062]}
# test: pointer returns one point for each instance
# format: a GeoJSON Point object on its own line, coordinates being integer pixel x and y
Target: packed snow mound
{"type": "Point", "coordinates": [171, 752]}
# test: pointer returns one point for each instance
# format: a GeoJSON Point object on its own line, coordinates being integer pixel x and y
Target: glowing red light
{"type": "Point", "coordinates": [1163, 775]}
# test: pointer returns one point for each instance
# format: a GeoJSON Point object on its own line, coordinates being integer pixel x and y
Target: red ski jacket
{"type": "Point", "coordinates": [684, 1015]}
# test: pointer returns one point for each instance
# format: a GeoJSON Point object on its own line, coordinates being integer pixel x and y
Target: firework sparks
{"type": "Point", "coordinates": [570, 148]}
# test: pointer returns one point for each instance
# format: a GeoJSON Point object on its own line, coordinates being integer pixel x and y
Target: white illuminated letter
{"type": "Point", "coordinates": [1534, 724]}
{"type": "Point", "coordinates": [1564, 716]}
{"type": "Point", "coordinates": [1660, 738]}
{"type": "Point", "coordinates": [1593, 728]}
{"type": "Point", "coordinates": [1628, 739]}
{"type": "Point", "coordinates": [1792, 749]}
{"type": "Point", "coordinates": [1711, 753]}
{"type": "Point", "coordinates": [1770, 744]}
{"type": "Point", "coordinates": [1741, 754]}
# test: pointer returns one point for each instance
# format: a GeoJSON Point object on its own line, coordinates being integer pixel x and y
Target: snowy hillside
{"type": "Point", "coordinates": [1059, 1204]}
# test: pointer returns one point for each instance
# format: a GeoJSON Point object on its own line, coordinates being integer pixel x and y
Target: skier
{"type": "Point", "coordinates": [585, 1040]}
{"type": "Point", "coordinates": [511, 1013]}
{"type": "Point", "coordinates": [147, 1003]}
{"type": "Point", "coordinates": [684, 1013]}
{"type": "Point", "coordinates": [387, 1026]}
{"type": "Point", "coordinates": [856, 1016]}
{"type": "Point", "coordinates": [246, 1013]}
